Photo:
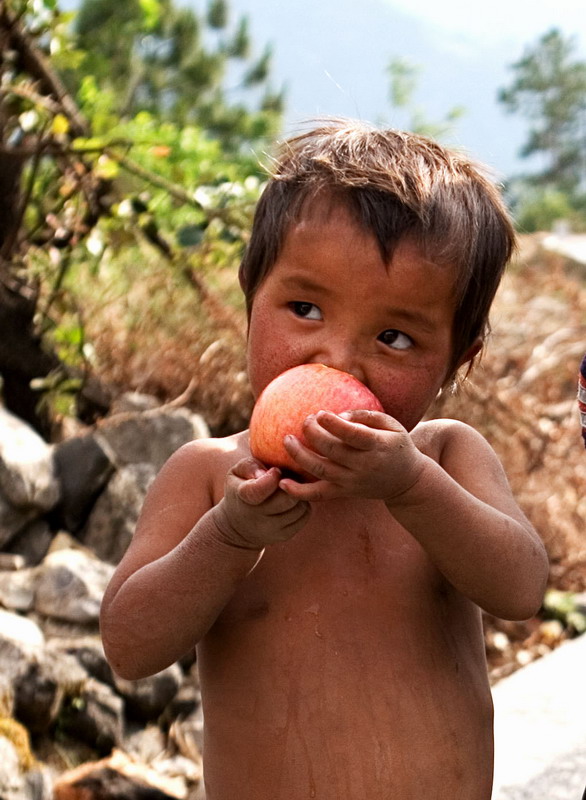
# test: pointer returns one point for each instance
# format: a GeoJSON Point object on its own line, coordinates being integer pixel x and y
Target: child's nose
{"type": "Point", "coordinates": [342, 357]}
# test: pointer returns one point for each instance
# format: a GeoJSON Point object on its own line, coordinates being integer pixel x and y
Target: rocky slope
{"type": "Point", "coordinates": [67, 512]}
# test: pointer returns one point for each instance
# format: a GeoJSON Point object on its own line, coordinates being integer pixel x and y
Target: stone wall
{"type": "Point", "coordinates": [67, 514]}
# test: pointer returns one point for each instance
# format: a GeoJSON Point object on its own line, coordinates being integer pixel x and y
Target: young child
{"type": "Point", "coordinates": [338, 622]}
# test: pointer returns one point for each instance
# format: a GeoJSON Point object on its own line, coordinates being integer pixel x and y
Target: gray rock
{"type": "Point", "coordinates": [185, 703]}
{"type": "Point", "coordinates": [89, 654]}
{"type": "Point", "coordinates": [17, 589]}
{"type": "Point", "coordinates": [12, 520]}
{"type": "Point", "coordinates": [39, 783]}
{"type": "Point", "coordinates": [21, 640]}
{"type": "Point", "coordinates": [186, 733]}
{"type": "Point", "coordinates": [151, 437]}
{"type": "Point", "coordinates": [18, 780]}
{"type": "Point", "coordinates": [179, 768]}
{"type": "Point", "coordinates": [12, 779]}
{"type": "Point", "coordinates": [41, 688]}
{"type": "Point", "coordinates": [147, 698]}
{"type": "Point", "coordinates": [133, 402]}
{"type": "Point", "coordinates": [70, 586]}
{"type": "Point", "coordinates": [94, 715]}
{"type": "Point", "coordinates": [111, 524]}
{"type": "Point", "coordinates": [84, 468]}
{"type": "Point", "coordinates": [145, 743]}
{"type": "Point", "coordinates": [32, 542]}
{"type": "Point", "coordinates": [27, 474]}
{"type": "Point", "coordinates": [9, 562]}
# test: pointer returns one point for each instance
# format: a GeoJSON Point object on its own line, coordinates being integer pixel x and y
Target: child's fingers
{"type": "Point", "coordinates": [258, 489]}
{"type": "Point", "coordinates": [309, 492]}
{"type": "Point", "coordinates": [274, 502]}
{"type": "Point", "coordinates": [249, 469]}
{"type": "Point", "coordinates": [280, 504]}
{"type": "Point", "coordinates": [324, 429]}
{"type": "Point", "coordinates": [298, 512]}
{"type": "Point", "coordinates": [376, 420]}
{"type": "Point", "coordinates": [310, 461]}
{"type": "Point", "coordinates": [323, 442]}
{"type": "Point", "coordinates": [354, 430]}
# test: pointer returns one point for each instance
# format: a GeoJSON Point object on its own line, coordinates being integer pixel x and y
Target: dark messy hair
{"type": "Point", "coordinates": [396, 184]}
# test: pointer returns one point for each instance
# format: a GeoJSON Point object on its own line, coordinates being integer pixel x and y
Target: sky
{"type": "Point", "coordinates": [332, 56]}
{"type": "Point", "coordinates": [498, 22]}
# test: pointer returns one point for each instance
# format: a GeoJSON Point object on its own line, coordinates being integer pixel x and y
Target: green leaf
{"type": "Point", "coordinates": [107, 168]}
{"type": "Point", "coordinates": [218, 14]}
{"type": "Point", "coordinates": [190, 235]}
{"type": "Point", "coordinates": [44, 5]}
{"type": "Point", "coordinates": [92, 143]}
{"type": "Point", "coordinates": [151, 10]}
{"type": "Point", "coordinates": [60, 125]}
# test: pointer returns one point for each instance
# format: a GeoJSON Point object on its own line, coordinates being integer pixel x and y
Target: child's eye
{"type": "Point", "coordinates": [396, 339]}
{"type": "Point", "coordinates": [305, 310]}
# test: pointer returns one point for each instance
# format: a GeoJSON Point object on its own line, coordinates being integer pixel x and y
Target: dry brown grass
{"type": "Point", "coordinates": [522, 398]}
{"type": "Point", "coordinates": [155, 334]}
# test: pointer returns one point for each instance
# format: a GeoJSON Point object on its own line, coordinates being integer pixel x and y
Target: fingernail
{"type": "Point", "coordinates": [345, 414]}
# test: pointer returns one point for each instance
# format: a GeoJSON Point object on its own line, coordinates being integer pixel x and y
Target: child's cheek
{"type": "Point", "coordinates": [407, 397]}
{"type": "Point", "coordinates": [268, 354]}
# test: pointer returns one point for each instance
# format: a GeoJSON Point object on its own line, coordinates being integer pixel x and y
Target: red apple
{"type": "Point", "coordinates": [284, 404]}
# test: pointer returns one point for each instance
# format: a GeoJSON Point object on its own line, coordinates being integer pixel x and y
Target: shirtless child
{"type": "Point", "coordinates": [338, 622]}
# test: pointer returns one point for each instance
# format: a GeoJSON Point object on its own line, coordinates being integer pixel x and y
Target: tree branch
{"type": "Point", "coordinates": [38, 67]}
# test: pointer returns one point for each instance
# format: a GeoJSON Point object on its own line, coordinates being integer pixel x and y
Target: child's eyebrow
{"type": "Point", "coordinates": [303, 283]}
{"type": "Point", "coordinates": [417, 318]}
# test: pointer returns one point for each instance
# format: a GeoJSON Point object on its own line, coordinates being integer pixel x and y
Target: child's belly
{"type": "Point", "coordinates": [343, 668]}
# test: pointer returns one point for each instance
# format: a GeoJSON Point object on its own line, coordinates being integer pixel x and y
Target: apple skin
{"type": "Point", "coordinates": [283, 406]}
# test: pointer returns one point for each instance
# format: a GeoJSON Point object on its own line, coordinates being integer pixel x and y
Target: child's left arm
{"type": "Point", "coordinates": [458, 504]}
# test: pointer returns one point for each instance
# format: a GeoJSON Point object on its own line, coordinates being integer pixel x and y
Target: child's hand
{"type": "Point", "coordinates": [357, 453]}
{"type": "Point", "coordinates": [255, 512]}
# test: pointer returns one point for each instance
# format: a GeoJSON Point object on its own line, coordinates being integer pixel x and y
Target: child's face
{"type": "Point", "coordinates": [331, 299]}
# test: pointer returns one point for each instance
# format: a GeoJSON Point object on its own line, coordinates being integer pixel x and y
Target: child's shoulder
{"type": "Point", "coordinates": [213, 453]}
{"type": "Point", "coordinates": [447, 439]}
{"type": "Point", "coordinates": [469, 459]}
{"type": "Point", "coordinates": [197, 470]}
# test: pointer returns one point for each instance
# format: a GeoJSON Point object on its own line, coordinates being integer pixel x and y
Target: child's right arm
{"type": "Point", "coordinates": [188, 556]}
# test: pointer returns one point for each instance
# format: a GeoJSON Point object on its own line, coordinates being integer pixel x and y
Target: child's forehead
{"type": "Point", "coordinates": [326, 210]}
{"type": "Point", "coordinates": [323, 206]}
{"type": "Point", "coordinates": [335, 252]}
{"type": "Point", "coordinates": [323, 216]}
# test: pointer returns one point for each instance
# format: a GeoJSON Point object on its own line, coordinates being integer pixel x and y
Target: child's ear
{"type": "Point", "coordinates": [471, 352]}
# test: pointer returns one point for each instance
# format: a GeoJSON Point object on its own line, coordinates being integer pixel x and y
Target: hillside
{"type": "Point", "coordinates": [522, 395]}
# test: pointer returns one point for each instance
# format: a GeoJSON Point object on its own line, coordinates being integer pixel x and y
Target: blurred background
{"type": "Point", "coordinates": [134, 136]}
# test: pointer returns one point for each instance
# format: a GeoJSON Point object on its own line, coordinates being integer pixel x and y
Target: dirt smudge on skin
{"type": "Point", "coordinates": [367, 548]}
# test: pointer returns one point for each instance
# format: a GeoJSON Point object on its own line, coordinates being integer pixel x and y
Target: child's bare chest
{"type": "Point", "coordinates": [346, 633]}
{"type": "Point", "coordinates": [352, 579]}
